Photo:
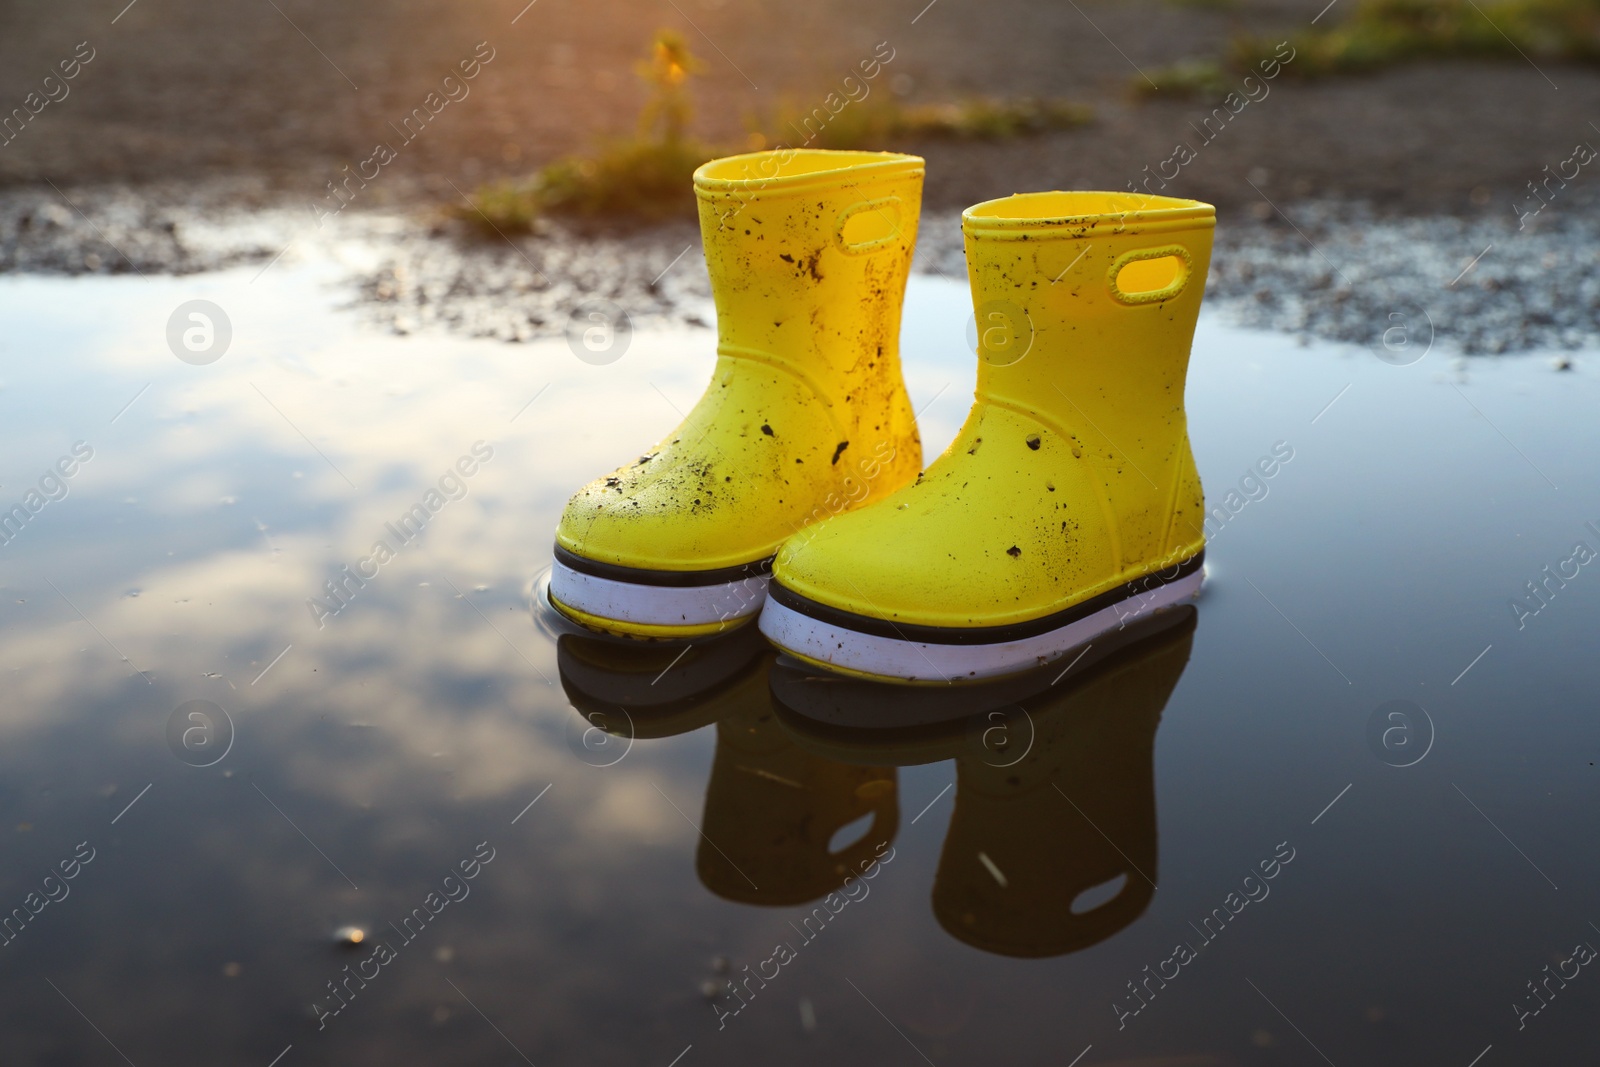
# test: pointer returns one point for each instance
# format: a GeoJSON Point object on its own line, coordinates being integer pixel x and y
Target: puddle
{"type": "Point", "coordinates": [560, 853]}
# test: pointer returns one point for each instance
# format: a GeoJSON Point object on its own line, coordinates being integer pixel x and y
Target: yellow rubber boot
{"type": "Point", "coordinates": [1069, 503]}
{"type": "Point", "coordinates": [806, 415]}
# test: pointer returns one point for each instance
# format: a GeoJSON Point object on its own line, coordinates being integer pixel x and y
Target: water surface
{"type": "Point", "coordinates": [1428, 858]}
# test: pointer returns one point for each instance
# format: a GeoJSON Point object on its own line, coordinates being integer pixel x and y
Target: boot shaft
{"type": "Point", "coordinates": [809, 251]}
{"type": "Point", "coordinates": [1086, 305]}
{"type": "Point", "coordinates": [1097, 291]}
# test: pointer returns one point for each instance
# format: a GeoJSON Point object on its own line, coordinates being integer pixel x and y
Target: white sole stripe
{"type": "Point", "coordinates": [919, 661]}
{"type": "Point", "coordinates": [657, 605]}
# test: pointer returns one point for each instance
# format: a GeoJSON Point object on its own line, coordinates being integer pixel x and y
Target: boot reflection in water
{"type": "Point", "coordinates": [772, 808]}
{"type": "Point", "coordinates": [633, 689]}
{"type": "Point", "coordinates": [1052, 842]}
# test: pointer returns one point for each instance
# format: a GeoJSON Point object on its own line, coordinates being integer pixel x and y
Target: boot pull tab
{"type": "Point", "coordinates": [1149, 275]}
{"type": "Point", "coordinates": [868, 226]}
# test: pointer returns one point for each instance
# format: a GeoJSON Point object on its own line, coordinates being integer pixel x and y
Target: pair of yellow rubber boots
{"type": "Point", "coordinates": [1068, 504]}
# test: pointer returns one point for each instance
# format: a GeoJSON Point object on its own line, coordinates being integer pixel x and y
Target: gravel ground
{"type": "Point", "coordinates": [1484, 287]}
{"type": "Point", "coordinates": [1322, 269]}
{"type": "Point", "coordinates": [1342, 271]}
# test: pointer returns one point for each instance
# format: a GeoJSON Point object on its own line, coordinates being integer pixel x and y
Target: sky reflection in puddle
{"type": "Point", "coordinates": [431, 720]}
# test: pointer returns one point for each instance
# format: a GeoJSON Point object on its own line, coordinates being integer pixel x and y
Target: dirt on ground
{"type": "Point", "coordinates": [290, 92]}
{"type": "Point", "coordinates": [179, 136]}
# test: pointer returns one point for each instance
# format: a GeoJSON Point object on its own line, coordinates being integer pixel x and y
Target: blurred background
{"type": "Point", "coordinates": [285, 92]}
{"type": "Point", "coordinates": [1313, 126]}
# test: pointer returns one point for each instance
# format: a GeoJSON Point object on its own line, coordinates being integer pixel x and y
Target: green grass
{"type": "Point", "coordinates": [503, 207]}
{"type": "Point", "coordinates": [1387, 33]}
{"type": "Point", "coordinates": [644, 180]}
{"type": "Point", "coordinates": [649, 177]}
{"type": "Point", "coordinates": [632, 180]}
{"type": "Point", "coordinates": [1192, 77]}
{"type": "Point", "coordinates": [884, 122]}
{"type": "Point", "coordinates": [1383, 33]}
